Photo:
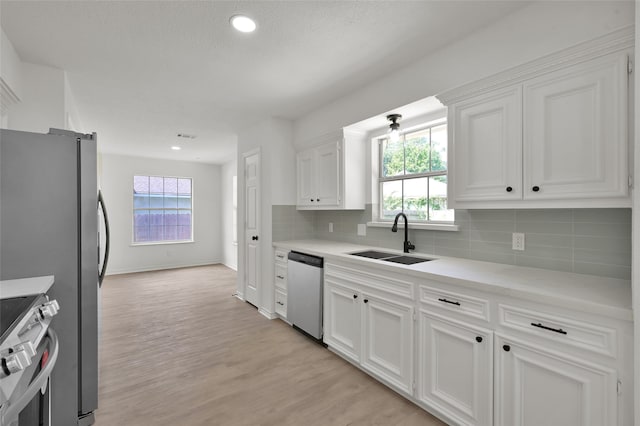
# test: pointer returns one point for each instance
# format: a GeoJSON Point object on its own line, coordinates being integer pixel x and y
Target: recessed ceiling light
{"type": "Point", "coordinates": [243, 23]}
{"type": "Point", "coordinates": [176, 148]}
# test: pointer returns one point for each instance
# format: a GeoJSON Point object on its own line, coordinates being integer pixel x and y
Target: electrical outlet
{"type": "Point", "coordinates": [330, 226]}
{"type": "Point", "coordinates": [362, 230]}
{"type": "Point", "coordinates": [517, 241]}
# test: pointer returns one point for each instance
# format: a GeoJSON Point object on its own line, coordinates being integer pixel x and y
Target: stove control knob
{"type": "Point", "coordinates": [15, 362]}
{"type": "Point", "coordinates": [49, 309]}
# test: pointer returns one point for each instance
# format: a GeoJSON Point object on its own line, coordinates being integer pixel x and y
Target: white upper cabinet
{"type": "Point", "coordinates": [331, 175]}
{"type": "Point", "coordinates": [575, 137]}
{"type": "Point", "coordinates": [550, 133]}
{"type": "Point", "coordinates": [487, 147]}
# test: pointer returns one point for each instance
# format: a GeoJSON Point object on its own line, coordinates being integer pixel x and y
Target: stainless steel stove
{"type": "Point", "coordinates": [28, 353]}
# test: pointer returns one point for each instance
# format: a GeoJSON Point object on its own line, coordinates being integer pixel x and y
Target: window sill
{"type": "Point", "coordinates": [161, 243]}
{"type": "Point", "coordinates": [423, 226]}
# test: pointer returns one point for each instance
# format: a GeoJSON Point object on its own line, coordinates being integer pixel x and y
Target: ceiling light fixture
{"type": "Point", "coordinates": [176, 148]}
{"type": "Point", "coordinates": [394, 133]}
{"type": "Point", "coordinates": [243, 23]}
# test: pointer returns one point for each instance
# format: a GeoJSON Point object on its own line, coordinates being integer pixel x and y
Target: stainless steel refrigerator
{"type": "Point", "coordinates": [49, 226]}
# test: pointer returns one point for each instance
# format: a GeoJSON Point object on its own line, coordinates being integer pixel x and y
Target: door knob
{"type": "Point", "coordinates": [535, 188]}
{"type": "Point", "coordinates": [254, 238]}
{"type": "Point", "coordinates": [509, 189]}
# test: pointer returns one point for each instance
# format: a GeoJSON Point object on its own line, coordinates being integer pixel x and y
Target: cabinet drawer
{"type": "Point", "coordinates": [280, 277]}
{"type": "Point", "coordinates": [281, 255]}
{"type": "Point", "coordinates": [583, 335]}
{"type": "Point", "coordinates": [466, 305]}
{"type": "Point", "coordinates": [281, 303]}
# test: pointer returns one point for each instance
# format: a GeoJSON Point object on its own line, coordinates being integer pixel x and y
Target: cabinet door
{"type": "Point", "coordinates": [306, 178]}
{"type": "Point", "coordinates": [327, 158]}
{"type": "Point", "coordinates": [455, 369]}
{"type": "Point", "coordinates": [538, 387]}
{"type": "Point", "coordinates": [341, 320]}
{"type": "Point", "coordinates": [387, 341]}
{"type": "Point", "coordinates": [486, 147]}
{"type": "Point", "coordinates": [575, 127]}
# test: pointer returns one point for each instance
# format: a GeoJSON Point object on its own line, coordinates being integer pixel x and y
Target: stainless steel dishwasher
{"type": "Point", "coordinates": [304, 295]}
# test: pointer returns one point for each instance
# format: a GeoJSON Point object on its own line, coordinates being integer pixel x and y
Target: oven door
{"type": "Point", "coordinates": [29, 405]}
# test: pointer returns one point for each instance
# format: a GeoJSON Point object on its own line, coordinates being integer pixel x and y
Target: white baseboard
{"type": "Point", "coordinates": [240, 296]}
{"type": "Point", "coordinates": [235, 268]}
{"type": "Point", "coordinates": [160, 267]}
{"type": "Point", "coordinates": [269, 315]}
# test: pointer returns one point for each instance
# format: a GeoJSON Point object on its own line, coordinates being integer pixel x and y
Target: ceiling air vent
{"type": "Point", "coordinates": [186, 136]}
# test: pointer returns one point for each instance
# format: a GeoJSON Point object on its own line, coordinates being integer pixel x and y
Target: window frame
{"type": "Point", "coordinates": [382, 179]}
{"type": "Point", "coordinates": [133, 210]}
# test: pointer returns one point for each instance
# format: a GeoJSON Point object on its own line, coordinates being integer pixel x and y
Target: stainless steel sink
{"type": "Point", "coordinates": [390, 257]}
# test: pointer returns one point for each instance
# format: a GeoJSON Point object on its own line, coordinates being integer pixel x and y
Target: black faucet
{"type": "Point", "coordinates": [407, 244]}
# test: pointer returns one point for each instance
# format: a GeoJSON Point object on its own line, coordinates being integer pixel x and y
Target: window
{"type": "Point", "coordinates": [413, 176]}
{"type": "Point", "coordinates": [162, 209]}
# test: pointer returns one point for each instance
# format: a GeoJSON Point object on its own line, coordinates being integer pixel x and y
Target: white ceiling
{"type": "Point", "coordinates": [143, 71]}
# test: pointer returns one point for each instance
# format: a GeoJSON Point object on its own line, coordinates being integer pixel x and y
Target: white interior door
{"type": "Point", "coordinates": [252, 227]}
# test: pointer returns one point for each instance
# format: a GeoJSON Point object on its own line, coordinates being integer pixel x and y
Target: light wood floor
{"type": "Point", "coordinates": [178, 349]}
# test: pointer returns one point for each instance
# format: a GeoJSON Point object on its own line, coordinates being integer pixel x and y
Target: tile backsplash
{"type": "Point", "coordinates": [585, 241]}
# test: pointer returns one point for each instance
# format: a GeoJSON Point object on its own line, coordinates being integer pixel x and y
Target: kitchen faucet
{"type": "Point", "coordinates": [407, 244]}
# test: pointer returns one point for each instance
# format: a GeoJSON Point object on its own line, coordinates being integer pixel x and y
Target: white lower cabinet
{"type": "Point", "coordinates": [455, 368]}
{"type": "Point", "coordinates": [536, 386]}
{"type": "Point", "coordinates": [474, 358]}
{"type": "Point", "coordinates": [387, 340]}
{"type": "Point", "coordinates": [373, 331]}
{"type": "Point", "coordinates": [342, 320]}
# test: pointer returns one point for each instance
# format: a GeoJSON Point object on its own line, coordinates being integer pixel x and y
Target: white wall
{"type": "Point", "coordinates": [10, 65]}
{"type": "Point", "coordinates": [274, 137]}
{"type": "Point", "coordinates": [229, 248]}
{"type": "Point", "coordinates": [529, 33]}
{"type": "Point", "coordinates": [42, 105]}
{"type": "Point", "coordinates": [117, 181]}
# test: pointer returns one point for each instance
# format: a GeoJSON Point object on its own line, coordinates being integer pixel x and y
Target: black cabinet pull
{"type": "Point", "coordinates": [312, 200]}
{"type": "Point", "coordinates": [317, 199]}
{"type": "Point", "coordinates": [355, 296]}
{"type": "Point", "coordinates": [478, 339]}
{"type": "Point", "coordinates": [535, 188]}
{"type": "Point", "coordinates": [449, 301]}
{"type": "Point", "coordinates": [509, 189]}
{"type": "Point", "coordinates": [280, 277]}
{"type": "Point", "coordinates": [506, 348]}
{"type": "Point", "coordinates": [557, 330]}
{"type": "Point", "coordinates": [366, 300]}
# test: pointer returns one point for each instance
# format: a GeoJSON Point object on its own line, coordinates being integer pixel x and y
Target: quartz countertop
{"type": "Point", "coordinates": [25, 286]}
{"type": "Point", "coordinates": [593, 294]}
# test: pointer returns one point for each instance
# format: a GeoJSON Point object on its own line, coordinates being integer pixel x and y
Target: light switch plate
{"type": "Point", "coordinates": [362, 229]}
{"type": "Point", "coordinates": [330, 226]}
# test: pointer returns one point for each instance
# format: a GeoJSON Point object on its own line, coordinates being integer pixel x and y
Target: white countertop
{"type": "Point", "coordinates": [25, 286]}
{"type": "Point", "coordinates": [589, 293]}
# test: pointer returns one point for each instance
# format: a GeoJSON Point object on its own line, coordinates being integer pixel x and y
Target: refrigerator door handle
{"type": "Point", "coordinates": [107, 238]}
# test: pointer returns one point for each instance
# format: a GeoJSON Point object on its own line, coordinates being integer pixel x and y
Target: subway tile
{"type": "Point", "coordinates": [452, 244]}
{"type": "Point", "coordinates": [548, 240]}
{"type": "Point", "coordinates": [462, 215]}
{"type": "Point", "coordinates": [502, 226]}
{"type": "Point", "coordinates": [451, 252]}
{"type": "Point", "coordinates": [602, 215]}
{"type": "Point", "coordinates": [546, 252]}
{"type": "Point", "coordinates": [618, 245]}
{"type": "Point", "coordinates": [604, 257]}
{"type": "Point", "coordinates": [495, 236]}
{"type": "Point", "coordinates": [612, 271]}
{"type": "Point", "coordinates": [544, 263]}
{"type": "Point", "coordinates": [494, 215]}
{"type": "Point", "coordinates": [485, 256]}
{"type": "Point", "coordinates": [609, 230]}
{"type": "Point", "coordinates": [563, 228]}
{"type": "Point", "coordinates": [448, 235]}
{"type": "Point", "coordinates": [490, 247]}
{"type": "Point", "coordinates": [544, 215]}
